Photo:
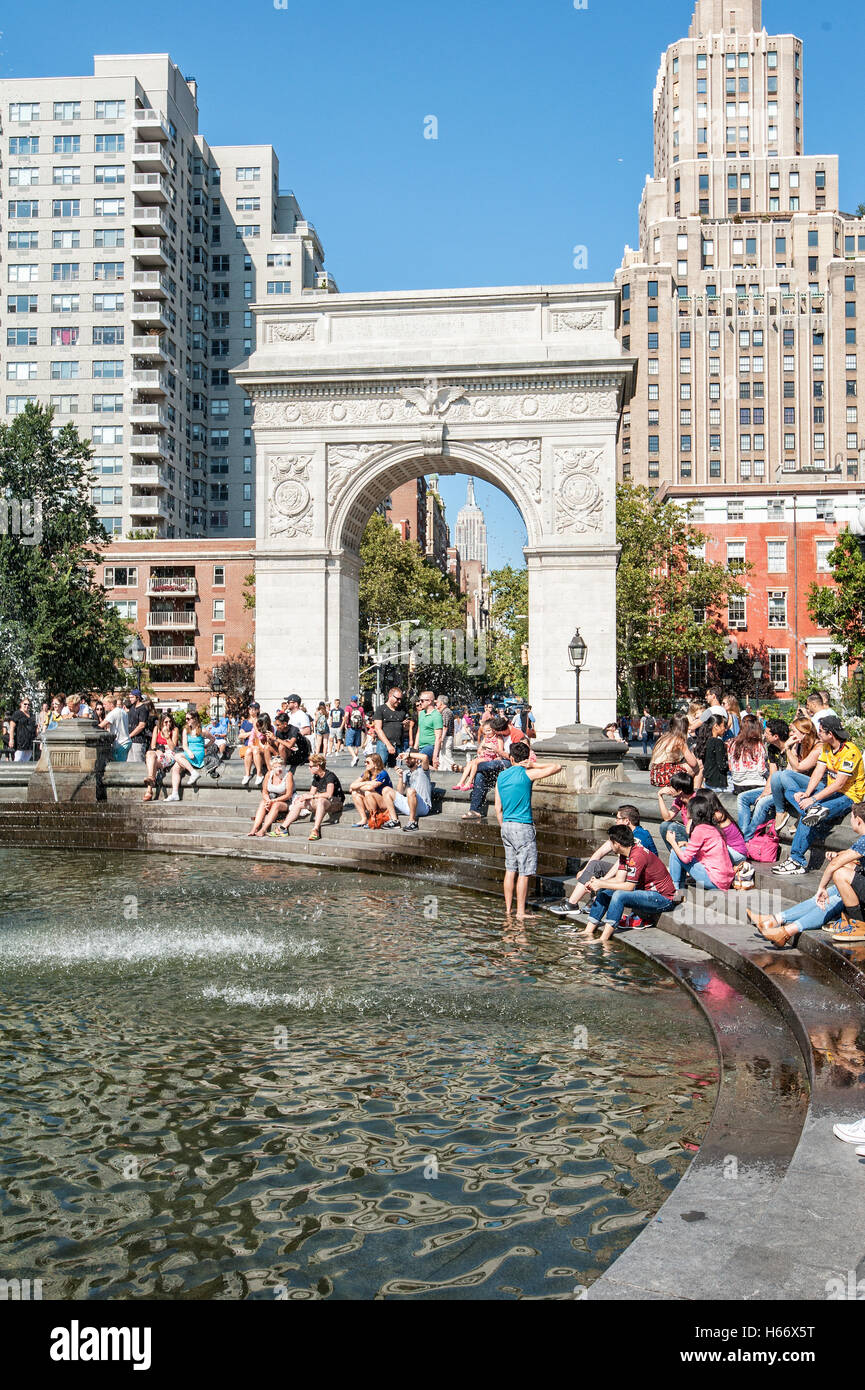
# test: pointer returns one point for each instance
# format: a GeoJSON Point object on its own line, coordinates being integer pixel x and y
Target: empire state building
{"type": "Point", "coordinates": [470, 536]}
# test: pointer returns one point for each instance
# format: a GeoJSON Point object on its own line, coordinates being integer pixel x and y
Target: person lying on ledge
{"type": "Point", "coordinates": [639, 881]}
{"type": "Point", "coordinates": [837, 904]}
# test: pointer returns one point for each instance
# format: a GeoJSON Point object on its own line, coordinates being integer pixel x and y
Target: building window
{"type": "Point", "coordinates": [120, 577]}
{"type": "Point", "coordinates": [736, 612]}
{"type": "Point", "coordinates": [776, 556]}
{"type": "Point", "coordinates": [778, 663]}
{"type": "Point", "coordinates": [219, 610]}
{"type": "Point", "coordinates": [219, 644]}
{"type": "Point", "coordinates": [736, 556]}
{"type": "Point", "coordinates": [825, 509]}
{"type": "Point", "coordinates": [824, 550]}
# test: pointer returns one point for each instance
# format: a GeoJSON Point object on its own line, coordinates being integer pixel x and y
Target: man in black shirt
{"type": "Point", "coordinates": [23, 732]}
{"type": "Point", "coordinates": [388, 722]}
{"type": "Point", "coordinates": [324, 798]}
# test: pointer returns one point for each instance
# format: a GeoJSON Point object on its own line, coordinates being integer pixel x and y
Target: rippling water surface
{"type": "Point", "coordinates": [235, 1080]}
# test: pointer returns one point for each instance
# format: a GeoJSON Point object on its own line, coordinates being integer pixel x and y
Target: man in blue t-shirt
{"type": "Point", "coordinates": [514, 814]}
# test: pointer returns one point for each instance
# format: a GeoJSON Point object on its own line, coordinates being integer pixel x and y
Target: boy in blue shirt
{"type": "Point", "coordinates": [514, 814]}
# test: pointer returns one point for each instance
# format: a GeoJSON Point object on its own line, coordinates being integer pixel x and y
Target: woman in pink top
{"type": "Point", "coordinates": [703, 856]}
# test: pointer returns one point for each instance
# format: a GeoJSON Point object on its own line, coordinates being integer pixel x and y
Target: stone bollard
{"type": "Point", "coordinates": [74, 757]}
{"type": "Point", "coordinates": [590, 762]}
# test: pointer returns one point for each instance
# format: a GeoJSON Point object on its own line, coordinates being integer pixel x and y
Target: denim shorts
{"type": "Point", "coordinates": [521, 848]}
{"type": "Point", "coordinates": [353, 738]}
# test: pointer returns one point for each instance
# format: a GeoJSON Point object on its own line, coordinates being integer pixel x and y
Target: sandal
{"type": "Point", "coordinates": [148, 795]}
{"type": "Point", "coordinates": [315, 835]}
{"type": "Point", "coordinates": [472, 815]}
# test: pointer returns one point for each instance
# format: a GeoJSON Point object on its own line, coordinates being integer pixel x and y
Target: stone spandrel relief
{"type": "Point", "coordinates": [580, 503]}
{"type": "Point", "coordinates": [290, 500]}
{"type": "Point", "coordinates": [522, 457]}
{"type": "Point", "coordinates": [345, 459]}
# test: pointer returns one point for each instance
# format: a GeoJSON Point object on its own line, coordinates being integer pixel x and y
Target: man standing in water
{"type": "Point", "coordinates": [514, 812]}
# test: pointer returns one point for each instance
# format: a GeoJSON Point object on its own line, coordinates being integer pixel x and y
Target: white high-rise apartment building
{"type": "Point", "coordinates": [132, 253]}
{"type": "Point", "coordinates": [742, 299]}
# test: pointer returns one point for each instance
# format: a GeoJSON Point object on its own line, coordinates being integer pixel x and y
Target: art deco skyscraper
{"type": "Point", "coordinates": [741, 301]}
{"type": "Point", "coordinates": [470, 535]}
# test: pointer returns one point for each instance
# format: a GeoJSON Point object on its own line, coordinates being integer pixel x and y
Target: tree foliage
{"type": "Point", "coordinates": [508, 630]}
{"type": "Point", "coordinates": [669, 598]}
{"type": "Point", "coordinates": [840, 607]}
{"type": "Point", "coordinates": [58, 631]}
{"type": "Point", "coordinates": [236, 682]}
{"type": "Point", "coordinates": [398, 583]}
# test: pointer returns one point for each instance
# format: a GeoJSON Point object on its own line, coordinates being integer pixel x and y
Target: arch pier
{"type": "Point", "coordinates": [354, 394]}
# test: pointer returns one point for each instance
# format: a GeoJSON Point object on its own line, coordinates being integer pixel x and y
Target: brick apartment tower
{"type": "Point", "coordinates": [741, 305]}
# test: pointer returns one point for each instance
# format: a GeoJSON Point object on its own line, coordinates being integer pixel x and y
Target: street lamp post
{"type": "Point", "coordinates": [217, 685]}
{"type": "Point", "coordinates": [136, 652]}
{"type": "Point", "coordinates": [757, 672]}
{"type": "Point", "coordinates": [577, 653]}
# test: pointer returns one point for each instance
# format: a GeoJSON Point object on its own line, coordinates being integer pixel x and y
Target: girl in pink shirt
{"type": "Point", "coordinates": [703, 856]}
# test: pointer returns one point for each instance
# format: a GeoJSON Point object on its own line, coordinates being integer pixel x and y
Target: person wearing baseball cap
{"type": "Point", "coordinates": [836, 785]}
{"type": "Point", "coordinates": [298, 716]}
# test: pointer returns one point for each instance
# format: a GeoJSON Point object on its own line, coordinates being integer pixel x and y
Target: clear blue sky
{"type": "Point", "coordinates": [544, 121]}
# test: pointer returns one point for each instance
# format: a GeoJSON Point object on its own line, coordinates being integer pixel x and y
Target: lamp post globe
{"type": "Point", "coordinates": [577, 653]}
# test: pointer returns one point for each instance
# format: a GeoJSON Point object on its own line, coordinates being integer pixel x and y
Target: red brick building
{"type": "Point", "coordinates": [786, 535]}
{"type": "Point", "coordinates": [185, 599]}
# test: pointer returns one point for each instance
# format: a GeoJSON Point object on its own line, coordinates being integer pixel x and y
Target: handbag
{"type": "Point", "coordinates": [764, 847]}
{"type": "Point", "coordinates": [378, 819]}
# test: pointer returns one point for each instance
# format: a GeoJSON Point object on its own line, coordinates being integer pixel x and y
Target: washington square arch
{"type": "Point", "coordinates": [354, 394]}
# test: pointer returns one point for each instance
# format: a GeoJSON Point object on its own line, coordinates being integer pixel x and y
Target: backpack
{"type": "Point", "coordinates": [378, 819]}
{"type": "Point", "coordinates": [356, 720]}
{"type": "Point", "coordinates": [650, 727]}
{"type": "Point", "coordinates": [764, 847]}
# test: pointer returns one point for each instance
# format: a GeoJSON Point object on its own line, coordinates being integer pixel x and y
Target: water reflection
{"type": "Point", "coordinates": [253, 1080]}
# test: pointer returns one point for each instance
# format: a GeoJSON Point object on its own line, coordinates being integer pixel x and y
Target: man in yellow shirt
{"type": "Point", "coordinates": [837, 784]}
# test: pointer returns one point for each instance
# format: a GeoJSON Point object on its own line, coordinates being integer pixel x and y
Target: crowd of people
{"type": "Point", "coordinates": [809, 771]}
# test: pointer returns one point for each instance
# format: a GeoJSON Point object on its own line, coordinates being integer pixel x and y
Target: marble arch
{"type": "Point", "coordinates": [353, 394]}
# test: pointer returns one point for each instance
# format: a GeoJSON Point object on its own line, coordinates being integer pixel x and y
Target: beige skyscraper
{"type": "Point", "coordinates": [470, 534]}
{"type": "Point", "coordinates": [741, 301]}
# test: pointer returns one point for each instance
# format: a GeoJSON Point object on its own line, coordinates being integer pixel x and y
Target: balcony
{"type": "Point", "coordinates": [170, 620]}
{"type": "Point", "coordinates": [150, 311]}
{"type": "Point", "coordinates": [148, 504]}
{"type": "Point", "coordinates": [150, 219]}
{"type": "Point", "coordinates": [149, 345]}
{"type": "Point", "coordinates": [151, 188]}
{"type": "Point", "coordinates": [153, 281]}
{"type": "Point", "coordinates": [150, 124]}
{"type": "Point", "coordinates": [151, 156]}
{"type": "Point", "coordinates": [153, 381]}
{"type": "Point", "coordinates": [145, 413]}
{"type": "Point", "coordinates": [149, 250]}
{"type": "Point", "coordinates": [172, 585]}
{"type": "Point", "coordinates": [171, 656]}
{"type": "Point", "coordinates": [150, 445]}
{"type": "Point", "coordinates": [150, 476]}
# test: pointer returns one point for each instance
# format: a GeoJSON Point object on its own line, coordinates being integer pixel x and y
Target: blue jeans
{"type": "Point", "coordinates": [806, 835]}
{"type": "Point", "coordinates": [754, 810]}
{"type": "Point", "coordinates": [485, 778]}
{"type": "Point", "coordinates": [809, 917]}
{"type": "Point", "coordinates": [612, 906]}
{"type": "Point", "coordinates": [679, 871]}
{"type": "Point", "coordinates": [388, 759]}
{"type": "Point", "coordinates": [784, 788]}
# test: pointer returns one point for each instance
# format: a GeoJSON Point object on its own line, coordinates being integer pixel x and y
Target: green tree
{"type": "Point", "coordinates": [669, 598]}
{"type": "Point", "coordinates": [508, 630]}
{"type": "Point", "coordinates": [59, 632]}
{"type": "Point", "coordinates": [839, 607]}
{"type": "Point", "coordinates": [398, 583]}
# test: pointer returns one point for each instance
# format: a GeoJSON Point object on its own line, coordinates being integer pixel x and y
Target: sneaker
{"type": "Point", "coordinates": [850, 1134]}
{"type": "Point", "coordinates": [816, 815]}
{"type": "Point", "coordinates": [412, 825]}
{"type": "Point", "coordinates": [194, 778]}
{"type": "Point", "coordinates": [258, 781]}
{"type": "Point", "coordinates": [173, 797]}
{"type": "Point", "coordinates": [566, 909]}
{"type": "Point", "coordinates": [848, 930]}
{"type": "Point", "coordinates": [790, 869]}
{"type": "Point", "coordinates": [391, 825]}
{"type": "Point", "coordinates": [781, 822]}
{"type": "Point", "coordinates": [247, 779]}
